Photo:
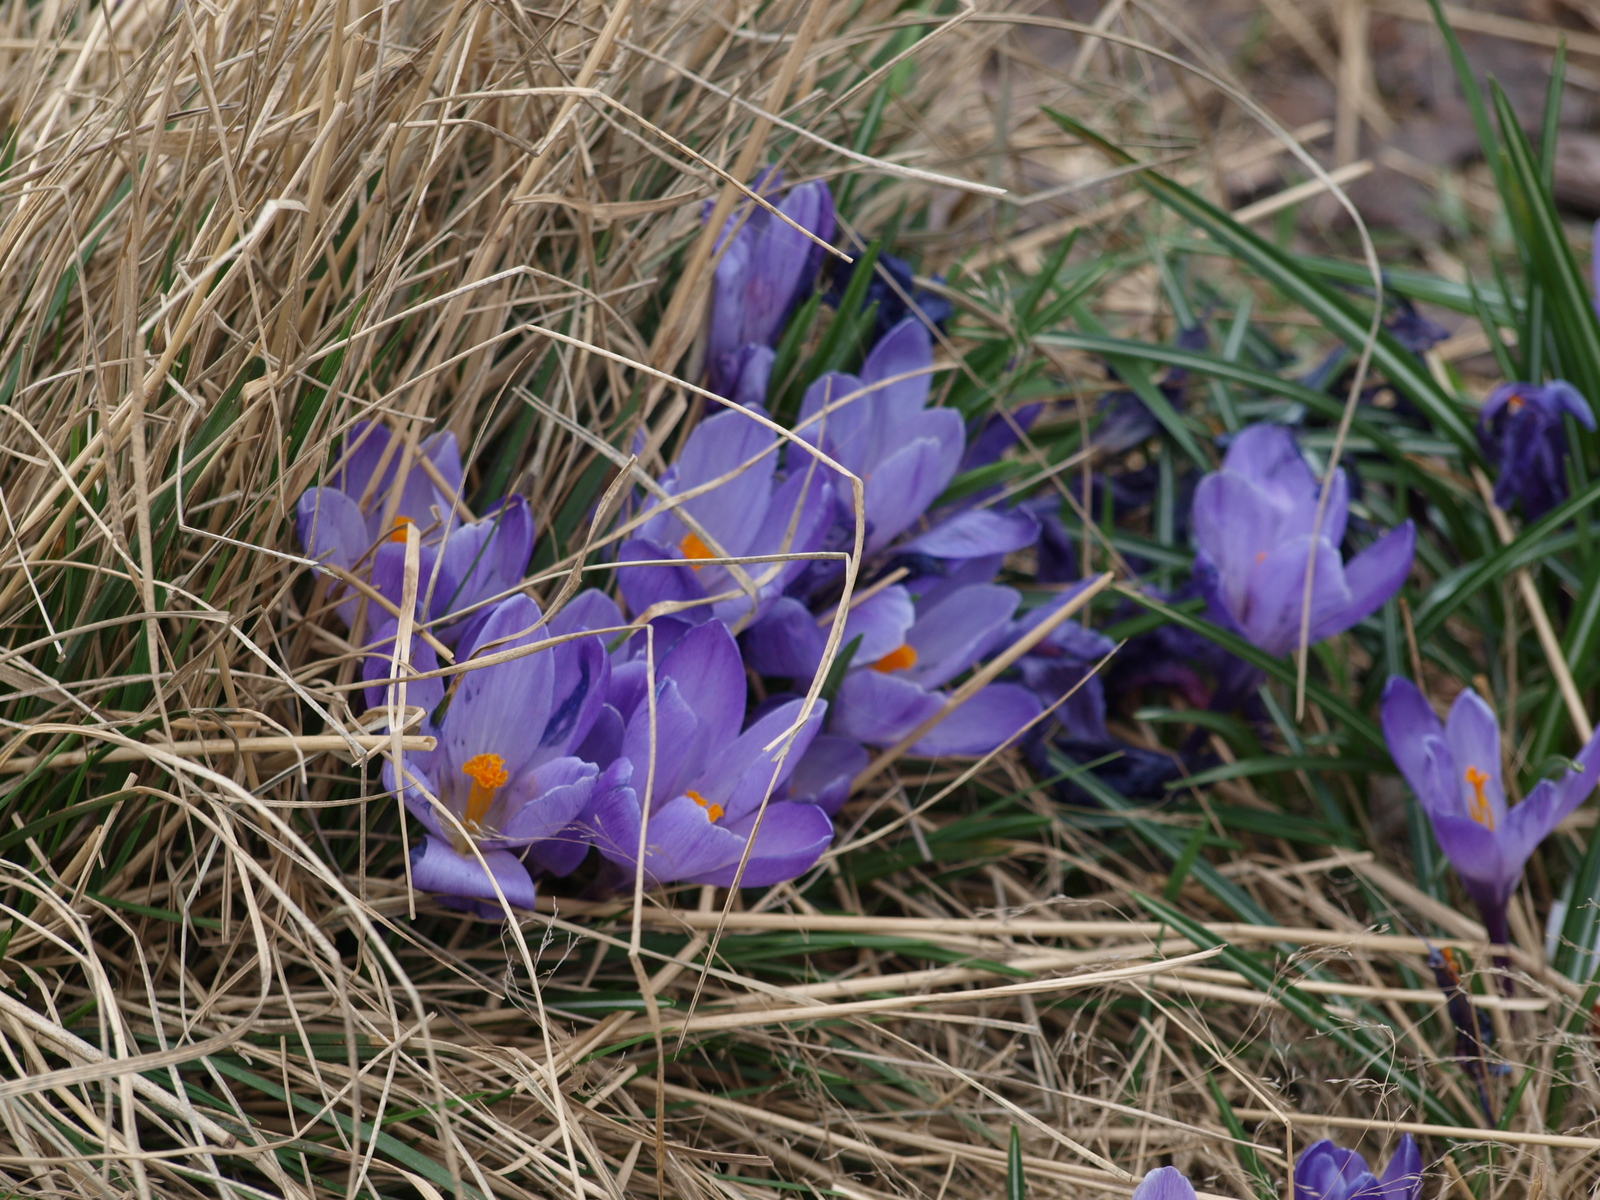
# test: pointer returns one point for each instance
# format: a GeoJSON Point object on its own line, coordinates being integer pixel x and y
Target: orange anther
{"type": "Point", "coordinates": [713, 811]}
{"type": "Point", "coordinates": [488, 774]}
{"type": "Point", "coordinates": [1479, 810]}
{"type": "Point", "coordinates": [398, 533]}
{"type": "Point", "coordinates": [693, 547]}
{"type": "Point", "coordinates": [901, 658]}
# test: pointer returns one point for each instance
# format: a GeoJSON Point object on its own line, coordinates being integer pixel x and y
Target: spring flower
{"type": "Point", "coordinates": [1454, 770]}
{"type": "Point", "coordinates": [892, 308]}
{"type": "Point", "coordinates": [504, 775]}
{"type": "Point", "coordinates": [706, 779]}
{"type": "Point", "coordinates": [1253, 527]}
{"type": "Point", "coordinates": [461, 563]}
{"type": "Point", "coordinates": [1328, 1172]}
{"type": "Point", "coordinates": [878, 426]}
{"type": "Point", "coordinates": [884, 698]}
{"type": "Point", "coordinates": [1062, 661]}
{"type": "Point", "coordinates": [1164, 1183]}
{"type": "Point", "coordinates": [765, 269]}
{"type": "Point", "coordinates": [1520, 430]}
{"type": "Point", "coordinates": [744, 514]}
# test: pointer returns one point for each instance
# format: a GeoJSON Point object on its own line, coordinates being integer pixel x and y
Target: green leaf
{"type": "Point", "coordinates": [1016, 1189]}
{"type": "Point", "coordinates": [1278, 764]}
{"type": "Point", "coordinates": [1338, 314]}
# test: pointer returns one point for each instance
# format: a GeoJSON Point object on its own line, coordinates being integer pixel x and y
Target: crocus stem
{"type": "Point", "coordinates": [1494, 920]}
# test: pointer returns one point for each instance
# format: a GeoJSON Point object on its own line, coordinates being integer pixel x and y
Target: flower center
{"type": "Point", "coordinates": [693, 547]}
{"type": "Point", "coordinates": [488, 775]}
{"type": "Point", "coordinates": [901, 658]}
{"type": "Point", "coordinates": [1261, 556]}
{"type": "Point", "coordinates": [1515, 401]}
{"type": "Point", "coordinates": [713, 811]}
{"type": "Point", "coordinates": [398, 533]}
{"type": "Point", "coordinates": [1479, 809]}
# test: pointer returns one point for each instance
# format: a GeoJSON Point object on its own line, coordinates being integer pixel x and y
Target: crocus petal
{"type": "Point", "coordinates": [502, 709]}
{"type": "Point", "coordinates": [436, 867]}
{"type": "Point", "coordinates": [1410, 729]}
{"type": "Point", "coordinates": [1164, 1183]}
{"type": "Point", "coordinates": [882, 622]}
{"type": "Point", "coordinates": [977, 532]}
{"type": "Point", "coordinates": [1576, 784]}
{"type": "Point", "coordinates": [1268, 456]}
{"type": "Point", "coordinates": [785, 643]}
{"type": "Point", "coordinates": [589, 609]}
{"type": "Point", "coordinates": [789, 838]}
{"type": "Point", "coordinates": [1402, 1178]}
{"type": "Point", "coordinates": [836, 413]}
{"type": "Point", "coordinates": [682, 841]}
{"type": "Point", "coordinates": [881, 709]}
{"type": "Point", "coordinates": [1568, 399]}
{"type": "Point", "coordinates": [331, 527]}
{"type": "Point", "coordinates": [1479, 856]}
{"type": "Point", "coordinates": [961, 629]}
{"type": "Point", "coordinates": [989, 719]}
{"type": "Point", "coordinates": [582, 675]}
{"type": "Point", "coordinates": [541, 804]}
{"type": "Point", "coordinates": [679, 753]}
{"type": "Point", "coordinates": [1235, 526]}
{"type": "Point", "coordinates": [562, 853]}
{"type": "Point", "coordinates": [603, 745]}
{"type": "Point", "coordinates": [825, 772]}
{"type": "Point", "coordinates": [1372, 577]}
{"type": "Point", "coordinates": [900, 488]}
{"type": "Point", "coordinates": [1325, 1171]}
{"type": "Point", "coordinates": [644, 587]}
{"type": "Point", "coordinates": [796, 521]}
{"type": "Point", "coordinates": [906, 350]}
{"type": "Point", "coordinates": [1474, 738]}
{"type": "Point", "coordinates": [746, 773]}
{"type": "Point", "coordinates": [420, 771]}
{"type": "Point", "coordinates": [426, 694]}
{"type": "Point", "coordinates": [1275, 594]}
{"type": "Point", "coordinates": [717, 453]}
{"type": "Point", "coordinates": [486, 557]}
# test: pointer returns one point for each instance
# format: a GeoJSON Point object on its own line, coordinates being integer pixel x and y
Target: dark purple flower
{"type": "Point", "coordinates": [765, 269]}
{"type": "Point", "coordinates": [878, 426]}
{"type": "Point", "coordinates": [1164, 1183]}
{"type": "Point", "coordinates": [892, 308]}
{"type": "Point", "coordinates": [504, 775]}
{"type": "Point", "coordinates": [1413, 330]}
{"type": "Point", "coordinates": [706, 779]}
{"type": "Point", "coordinates": [461, 564]}
{"type": "Point", "coordinates": [1253, 527]}
{"type": "Point", "coordinates": [1454, 770]}
{"type": "Point", "coordinates": [744, 514]}
{"type": "Point", "coordinates": [1520, 430]}
{"type": "Point", "coordinates": [1063, 661]}
{"type": "Point", "coordinates": [1328, 1172]}
{"type": "Point", "coordinates": [881, 700]}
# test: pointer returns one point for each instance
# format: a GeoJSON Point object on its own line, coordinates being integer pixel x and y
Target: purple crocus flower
{"type": "Point", "coordinates": [1164, 1183]}
{"type": "Point", "coordinates": [1328, 1172]}
{"type": "Point", "coordinates": [1253, 527]}
{"type": "Point", "coordinates": [886, 697]}
{"type": "Point", "coordinates": [892, 309]}
{"type": "Point", "coordinates": [1520, 430]}
{"type": "Point", "coordinates": [706, 779]}
{"type": "Point", "coordinates": [744, 514]}
{"type": "Point", "coordinates": [461, 564]}
{"type": "Point", "coordinates": [904, 452]}
{"type": "Point", "coordinates": [765, 270]}
{"type": "Point", "coordinates": [504, 775]}
{"type": "Point", "coordinates": [1454, 770]}
{"type": "Point", "coordinates": [1063, 660]}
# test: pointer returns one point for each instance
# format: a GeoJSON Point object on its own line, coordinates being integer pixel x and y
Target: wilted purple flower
{"type": "Point", "coordinates": [707, 780]}
{"type": "Point", "coordinates": [1164, 1183]}
{"type": "Point", "coordinates": [883, 699]}
{"type": "Point", "coordinates": [1253, 526]}
{"type": "Point", "coordinates": [904, 452]}
{"type": "Point", "coordinates": [892, 308]}
{"type": "Point", "coordinates": [504, 775]}
{"type": "Point", "coordinates": [1328, 1172]}
{"type": "Point", "coordinates": [765, 270]}
{"type": "Point", "coordinates": [1520, 430]}
{"type": "Point", "coordinates": [1413, 330]}
{"type": "Point", "coordinates": [743, 515]}
{"type": "Point", "coordinates": [1454, 770]}
{"type": "Point", "coordinates": [461, 564]}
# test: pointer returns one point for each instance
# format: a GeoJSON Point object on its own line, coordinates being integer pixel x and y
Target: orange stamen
{"type": "Point", "coordinates": [713, 811]}
{"type": "Point", "coordinates": [901, 658]}
{"type": "Point", "coordinates": [693, 547]}
{"type": "Point", "coordinates": [488, 775]}
{"type": "Point", "coordinates": [398, 533]}
{"type": "Point", "coordinates": [1515, 401]}
{"type": "Point", "coordinates": [1261, 556]}
{"type": "Point", "coordinates": [1479, 810]}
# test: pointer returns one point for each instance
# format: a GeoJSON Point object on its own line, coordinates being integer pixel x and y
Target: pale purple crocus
{"type": "Point", "coordinates": [461, 564]}
{"type": "Point", "coordinates": [1164, 1183]}
{"type": "Point", "coordinates": [744, 513]}
{"type": "Point", "coordinates": [765, 269]}
{"type": "Point", "coordinates": [504, 775]}
{"type": "Point", "coordinates": [1256, 529]}
{"type": "Point", "coordinates": [1454, 770]}
{"type": "Point", "coordinates": [883, 700]}
{"type": "Point", "coordinates": [1520, 430]}
{"type": "Point", "coordinates": [1325, 1171]}
{"type": "Point", "coordinates": [702, 788]}
{"type": "Point", "coordinates": [878, 426]}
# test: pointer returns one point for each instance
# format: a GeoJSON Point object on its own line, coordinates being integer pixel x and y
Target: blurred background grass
{"type": "Point", "coordinates": [231, 230]}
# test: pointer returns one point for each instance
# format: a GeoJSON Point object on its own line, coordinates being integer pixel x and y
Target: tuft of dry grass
{"type": "Point", "coordinates": [229, 231]}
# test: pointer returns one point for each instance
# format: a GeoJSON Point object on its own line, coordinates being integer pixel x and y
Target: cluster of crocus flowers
{"type": "Point", "coordinates": [357, 523]}
{"type": "Point", "coordinates": [1521, 431]}
{"type": "Point", "coordinates": [1454, 771]}
{"type": "Point", "coordinates": [1323, 1171]}
{"type": "Point", "coordinates": [1260, 523]}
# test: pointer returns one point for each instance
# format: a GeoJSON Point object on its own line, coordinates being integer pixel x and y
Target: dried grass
{"type": "Point", "coordinates": [231, 230]}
